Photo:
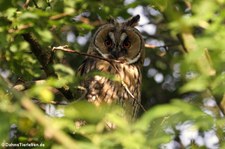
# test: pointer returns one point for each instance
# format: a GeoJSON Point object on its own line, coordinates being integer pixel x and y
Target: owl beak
{"type": "Point", "coordinates": [115, 53]}
{"type": "Point", "coordinates": [118, 52]}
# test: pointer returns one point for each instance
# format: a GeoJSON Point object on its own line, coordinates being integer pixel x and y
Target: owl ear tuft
{"type": "Point", "coordinates": [111, 20]}
{"type": "Point", "coordinates": [133, 21]}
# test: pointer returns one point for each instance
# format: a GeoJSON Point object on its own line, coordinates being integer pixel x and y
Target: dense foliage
{"type": "Point", "coordinates": [183, 76]}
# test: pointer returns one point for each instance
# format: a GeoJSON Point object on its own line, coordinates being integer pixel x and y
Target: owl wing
{"type": "Point", "coordinates": [85, 66]}
{"type": "Point", "coordinates": [80, 91]}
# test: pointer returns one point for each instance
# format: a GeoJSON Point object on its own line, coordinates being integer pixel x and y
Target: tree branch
{"type": "Point", "coordinates": [221, 105]}
{"type": "Point", "coordinates": [26, 4]}
{"type": "Point", "coordinates": [43, 56]}
{"type": "Point", "coordinates": [66, 49]}
{"type": "Point", "coordinates": [26, 85]}
{"type": "Point", "coordinates": [46, 61]}
{"type": "Point", "coordinates": [203, 63]}
{"type": "Point", "coordinates": [150, 46]}
{"type": "Point", "coordinates": [35, 4]}
{"type": "Point", "coordinates": [48, 124]}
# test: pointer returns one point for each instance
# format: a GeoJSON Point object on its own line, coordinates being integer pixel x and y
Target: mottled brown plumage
{"type": "Point", "coordinates": [115, 82]}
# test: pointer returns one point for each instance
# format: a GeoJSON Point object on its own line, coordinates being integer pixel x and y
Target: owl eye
{"type": "Point", "coordinates": [108, 43]}
{"type": "Point", "coordinates": [126, 44]}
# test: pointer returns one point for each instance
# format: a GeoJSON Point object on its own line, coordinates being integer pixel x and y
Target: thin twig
{"type": "Point", "coordinates": [179, 37]}
{"type": "Point", "coordinates": [221, 105]}
{"type": "Point", "coordinates": [26, 4]}
{"type": "Point", "coordinates": [59, 16]}
{"type": "Point", "coordinates": [48, 3]}
{"type": "Point", "coordinates": [128, 91]}
{"type": "Point", "coordinates": [150, 46]}
{"type": "Point", "coordinates": [35, 4]}
{"type": "Point", "coordinates": [66, 49]}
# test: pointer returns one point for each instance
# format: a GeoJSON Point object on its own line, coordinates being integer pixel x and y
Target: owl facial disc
{"type": "Point", "coordinates": [119, 41]}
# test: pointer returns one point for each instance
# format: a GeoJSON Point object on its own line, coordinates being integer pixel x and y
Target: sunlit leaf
{"type": "Point", "coordinates": [28, 15]}
{"type": "Point", "coordinates": [198, 84]}
{"type": "Point", "coordinates": [5, 127]}
{"type": "Point", "coordinates": [156, 112]}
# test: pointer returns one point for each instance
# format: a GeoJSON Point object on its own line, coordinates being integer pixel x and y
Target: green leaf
{"type": "Point", "coordinates": [4, 5]}
{"type": "Point", "coordinates": [42, 92]}
{"type": "Point", "coordinates": [197, 84]}
{"type": "Point", "coordinates": [156, 112]}
{"type": "Point", "coordinates": [5, 126]}
{"type": "Point", "coordinates": [85, 111]}
{"type": "Point", "coordinates": [159, 4]}
{"type": "Point", "coordinates": [177, 106]}
{"type": "Point", "coordinates": [28, 15]}
{"type": "Point", "coordinates": [44, 34]}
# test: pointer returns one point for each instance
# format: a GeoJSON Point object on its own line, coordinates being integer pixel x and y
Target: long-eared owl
{"type": "Point", "coordinates": [115, 75]}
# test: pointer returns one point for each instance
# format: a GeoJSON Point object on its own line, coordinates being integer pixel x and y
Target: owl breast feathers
{"type": "Point", "coordinates": [117, 80]}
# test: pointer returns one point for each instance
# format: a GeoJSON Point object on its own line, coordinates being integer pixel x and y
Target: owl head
{"type": "Point", "coordinates": [119, 41]}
